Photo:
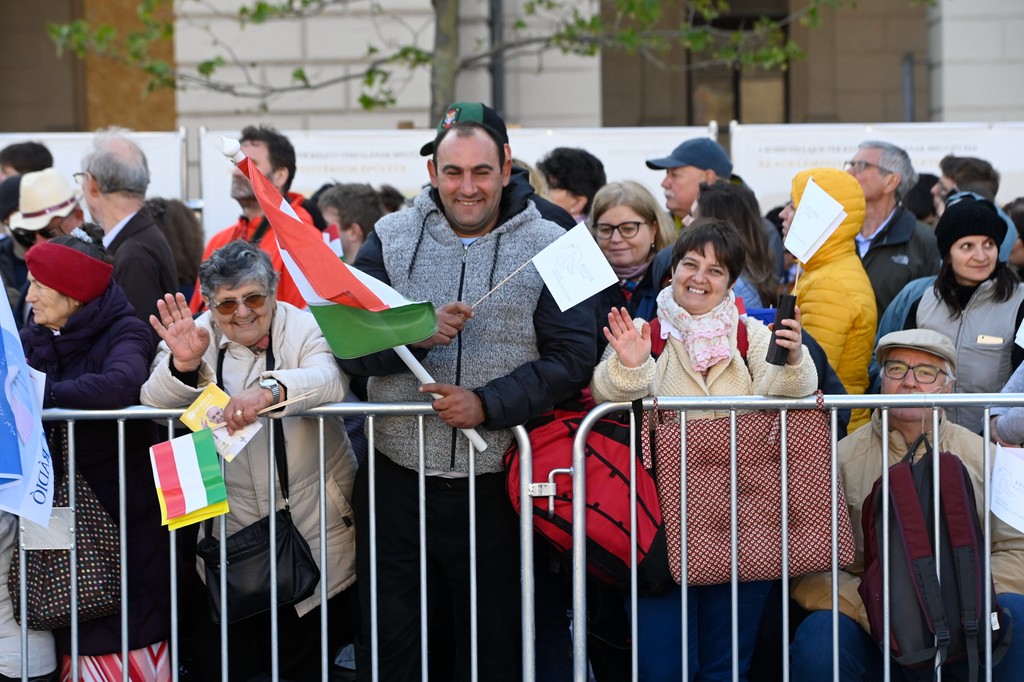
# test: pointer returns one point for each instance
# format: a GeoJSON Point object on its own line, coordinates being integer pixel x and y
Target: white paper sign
{"type": "Point", "coordinates": [1008, 486]}
{"type": "Point", "coordinates": [816, 219]}
{"type": "Point", "coordinates": [574, 268]}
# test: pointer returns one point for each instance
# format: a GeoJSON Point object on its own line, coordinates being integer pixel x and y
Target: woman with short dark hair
{"type": "Point", "coordinates": [261, 352]}
{"type": "Point", "coordinates": [699, 320]}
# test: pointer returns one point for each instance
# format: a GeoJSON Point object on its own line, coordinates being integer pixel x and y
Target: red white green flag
{"type": "Point", "coordinates": [188, 479]}
{"type": "Point", "coordinates": [358, 314]}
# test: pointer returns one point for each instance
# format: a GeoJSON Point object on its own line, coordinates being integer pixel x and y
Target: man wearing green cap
{"type": "Point", "coordinates": [520, 177]}
{"type": "Point", "coordinates": [501, 362]}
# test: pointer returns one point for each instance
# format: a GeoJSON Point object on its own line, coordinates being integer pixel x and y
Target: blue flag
{"type": "Point", "coordinates": [26, 471]}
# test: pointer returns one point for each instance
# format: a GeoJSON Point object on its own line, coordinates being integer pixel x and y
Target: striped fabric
{"type": "Point", "coordinates": [149, 664]}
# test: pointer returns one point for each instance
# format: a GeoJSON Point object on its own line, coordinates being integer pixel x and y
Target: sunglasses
{"type": "Point", "coordinates": [29, 236]}
{"type": "Point", "coordinates": [229, 306]}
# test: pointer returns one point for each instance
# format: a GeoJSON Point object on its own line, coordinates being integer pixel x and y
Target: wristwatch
{"type": "Point", "coordinates": [272, 386]}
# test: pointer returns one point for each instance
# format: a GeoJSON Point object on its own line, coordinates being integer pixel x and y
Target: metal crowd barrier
{"type": "Point", "coordinates": [420, 412]}
{"type": "Point", "coordinates": [37, 538]}
{"type": "Point", "coordinates": [734, 405]}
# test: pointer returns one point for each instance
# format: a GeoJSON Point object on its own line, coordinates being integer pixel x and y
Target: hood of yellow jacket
{"type": "Point", "coordinates": [845, 189]}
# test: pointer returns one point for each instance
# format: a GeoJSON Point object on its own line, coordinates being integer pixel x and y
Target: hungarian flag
{"type": "Point", "coordinates": [358, 314]}
{"type": "Point", "coordinates": [188, 480]}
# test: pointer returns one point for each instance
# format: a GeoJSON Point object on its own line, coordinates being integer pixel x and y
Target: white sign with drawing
{"type": "Point", "coordinates": [574, 268]}
{"type": "Point", "coordinates": [815, 220]}
{"type": "Point", "coordinates": [1008, 486]}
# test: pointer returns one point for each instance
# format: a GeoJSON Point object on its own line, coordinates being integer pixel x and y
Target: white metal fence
{"type": "Point", "coordinates": [421, 412]}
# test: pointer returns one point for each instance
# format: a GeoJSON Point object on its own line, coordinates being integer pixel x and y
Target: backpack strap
{"type": "Point", "coordinates": [741, 339]}
{"type": "Point", "coordinates": [913, 533]}
{"type": "Point", "coordinates": [657, 343]}
{"type": "Point", "coordinates": [957, 506]}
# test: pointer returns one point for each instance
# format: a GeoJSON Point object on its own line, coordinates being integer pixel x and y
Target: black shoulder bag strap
{"type": "Point", "coordinates": [280, 455]}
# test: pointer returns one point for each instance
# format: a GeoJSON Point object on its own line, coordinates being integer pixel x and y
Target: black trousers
{"type": "Point", "coordinates": [448, 570]}
{"type": "Point", "coordinates": [298, 642]}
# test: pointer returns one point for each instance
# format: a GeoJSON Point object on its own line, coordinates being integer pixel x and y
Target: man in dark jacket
{"type": "Point", "coordinates": [114, 178]}
{"type": "Point", "coordinates": [498, 364]}
{"type": "Point", "coordinates": [893, 245]}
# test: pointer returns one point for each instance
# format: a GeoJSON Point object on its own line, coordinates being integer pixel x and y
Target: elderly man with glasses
{"type": "Point", "coordinates": [913, 361]}
{"type": "Point", "coordinates": [893, 245]}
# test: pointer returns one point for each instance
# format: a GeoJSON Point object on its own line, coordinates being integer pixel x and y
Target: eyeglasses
{"type": "Point", "coordinates": [925, 374]}
{"type": "Point", "coordinates": [627, 229]}
{"type": "Point", "coordinates": [80, 177]}
{"type": "Point", "coordinates": [229, 306]}
{"type": "Point", "coordinates": [859, 167]}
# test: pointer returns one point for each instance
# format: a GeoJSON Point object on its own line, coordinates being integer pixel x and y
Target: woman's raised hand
{"type": "Point", "coordinates": [633, 347]}
{"type": "Point", "coordinates": [175, 325]}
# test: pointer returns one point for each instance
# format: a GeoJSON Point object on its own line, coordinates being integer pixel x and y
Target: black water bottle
{"type": "Point", "coordinates": [787, 307]}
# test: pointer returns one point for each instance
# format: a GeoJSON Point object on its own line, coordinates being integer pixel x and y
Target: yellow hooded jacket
{"type": "Point", "coordinates": [837, 303]}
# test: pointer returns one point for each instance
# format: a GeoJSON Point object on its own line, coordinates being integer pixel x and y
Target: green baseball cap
{"type": "Point", "coordinates": [467, 111]}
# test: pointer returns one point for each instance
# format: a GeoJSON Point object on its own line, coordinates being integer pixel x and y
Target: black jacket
{"type": "Point", "coordinates": [143, 264]}
{"type": "Point", "coordinates": [902, 251]}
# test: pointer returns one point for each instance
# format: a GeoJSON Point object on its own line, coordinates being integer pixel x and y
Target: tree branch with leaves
{"type": "Point", "coordinates": [581, 27]}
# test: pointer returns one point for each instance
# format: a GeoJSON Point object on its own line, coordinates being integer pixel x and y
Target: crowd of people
{"type": "Point", "coordinates": [907, 295]}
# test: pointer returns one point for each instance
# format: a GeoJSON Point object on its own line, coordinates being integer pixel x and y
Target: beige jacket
{"type": "Point", "coordinates": [304, 363]}
{"type": "Point", "coordinates": [859, 468]}
{"type": "Point", "coordinates": [672, 375]}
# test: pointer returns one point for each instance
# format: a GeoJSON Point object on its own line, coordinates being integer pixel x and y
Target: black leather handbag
{"type": "Point", "coordinates": [249, 557]}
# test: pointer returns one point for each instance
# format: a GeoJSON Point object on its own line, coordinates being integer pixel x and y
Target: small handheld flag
{"type": "Point", "coordinates": [188, 480]}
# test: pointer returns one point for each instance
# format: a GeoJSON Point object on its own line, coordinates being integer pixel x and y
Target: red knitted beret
{"type": "Point", "coordinates": [68, 271]}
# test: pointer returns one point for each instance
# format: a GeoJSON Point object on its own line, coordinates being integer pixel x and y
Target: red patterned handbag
{"type": "Point", "coordinates": [759, 510]}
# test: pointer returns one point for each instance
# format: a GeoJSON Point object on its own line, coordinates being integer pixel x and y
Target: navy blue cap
{"type": "Point", "coordinates": [700, 152]}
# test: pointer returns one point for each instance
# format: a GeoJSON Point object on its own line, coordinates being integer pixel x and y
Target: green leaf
{"type": "Point", "coordinates": [206, 68]}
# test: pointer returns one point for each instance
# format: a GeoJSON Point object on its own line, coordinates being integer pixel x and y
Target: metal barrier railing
{"type": "Point", "coordinates": [419, 411]}
{"type": "Point", "coordinates": [732, 405]}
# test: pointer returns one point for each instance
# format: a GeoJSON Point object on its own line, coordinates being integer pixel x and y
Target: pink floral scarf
{"type": "Point", "coordinates": [706, 336]}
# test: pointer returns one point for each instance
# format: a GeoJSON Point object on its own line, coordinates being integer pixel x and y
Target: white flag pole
{"type": "Point", "coordinates": [517, 271]}
{"type": "Point", "coordinates": [421, 373]}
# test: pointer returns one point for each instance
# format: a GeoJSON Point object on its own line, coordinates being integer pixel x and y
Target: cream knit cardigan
{"type": "Point", "coordinates": [672, 375]}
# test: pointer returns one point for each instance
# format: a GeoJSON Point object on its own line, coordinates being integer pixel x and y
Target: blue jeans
{"type": "Point", "coordinates": [709, 646]}
{"type": "Point", "coordinates": [860, 659]}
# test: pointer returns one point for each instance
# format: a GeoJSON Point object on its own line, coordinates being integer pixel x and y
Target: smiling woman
{"type": "Point", "coordinates": [631, 229]}
{"type": "Point", "coordinates": [260, 351]}
{"type": "Point", "coordinates": [698, 318]}
{"type": "Point", "coordinates": [976, 300]}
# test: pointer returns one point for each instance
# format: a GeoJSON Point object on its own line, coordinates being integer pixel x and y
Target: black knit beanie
{"type": "Point", "coordinates": [968, 217]}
